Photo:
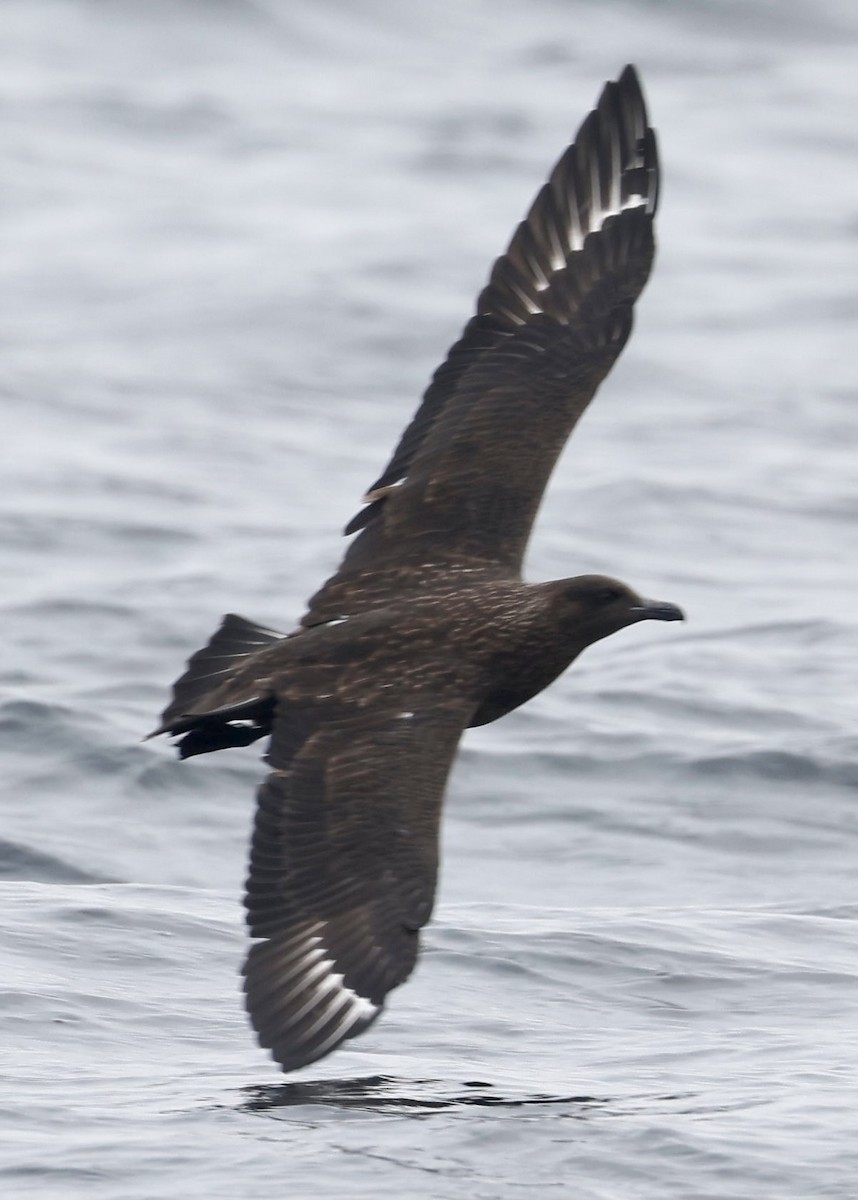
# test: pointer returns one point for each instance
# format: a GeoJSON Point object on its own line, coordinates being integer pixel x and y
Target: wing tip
{"type": "Point", "coordinates": [299, 1005]}
{"type": "Point", "coordinates": [609, 168]}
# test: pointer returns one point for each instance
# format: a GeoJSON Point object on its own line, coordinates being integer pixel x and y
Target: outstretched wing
{"type": "Point", "coordinates": [468, 475]}
{"type": "Point", "coordinates": [342, 868]}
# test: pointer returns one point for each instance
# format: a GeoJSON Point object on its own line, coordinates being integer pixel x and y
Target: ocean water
{"type": "Point", "coordinates": [236, 239]}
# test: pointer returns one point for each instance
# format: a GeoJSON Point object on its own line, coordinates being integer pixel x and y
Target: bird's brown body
{"type": "Point", "coordinates": [427, 627]}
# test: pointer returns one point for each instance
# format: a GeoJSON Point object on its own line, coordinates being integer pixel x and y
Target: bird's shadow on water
{"type": "Point", "coordinates": [382, 1093]}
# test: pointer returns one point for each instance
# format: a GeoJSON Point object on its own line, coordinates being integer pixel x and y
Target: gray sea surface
{"type": "Point", "coordinates": [236, 238]}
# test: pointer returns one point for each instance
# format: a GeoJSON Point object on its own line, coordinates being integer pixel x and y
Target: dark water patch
{"type": "Point", "coordinates": [90, 536]}
{"type": "Point", "coordinates": [34, 726]}
{"type": "Point", "coordinates": [777, 766]}
{"type": "Point", "coordinates": [56, 611]}
{"type": "Point", "coordinates": [164, 119]}
{"type": "Point", "coordinates": [624, 762]}
{"type": "Point", "coordinates": [26, 863]}
{"type": "Point", "coordinates": [378, 1093]}
{"type": "Point", "coordinates": [424, 1097]}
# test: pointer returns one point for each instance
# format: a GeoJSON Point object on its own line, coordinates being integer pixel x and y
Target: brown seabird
{"type": "Point", "coordinates": [427, 628]}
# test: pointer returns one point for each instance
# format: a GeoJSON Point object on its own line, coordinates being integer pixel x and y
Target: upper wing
{"type": "Point", "coordinates": [467, 477]}
{"type": "Point", "coordinates": [342, 868]}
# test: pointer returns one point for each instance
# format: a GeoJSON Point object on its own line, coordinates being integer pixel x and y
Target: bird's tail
{"type": "Point", "coordinates": [233, 720]}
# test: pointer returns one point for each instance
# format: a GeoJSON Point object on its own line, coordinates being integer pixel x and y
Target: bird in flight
{"type": "Point", "coordinates": [427, 627]}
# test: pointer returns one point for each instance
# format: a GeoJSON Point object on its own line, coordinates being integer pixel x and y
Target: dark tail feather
{"type": "Point", "coordinates": [233, 725]}
{"type": "Point", "coordinates": [236, 639]}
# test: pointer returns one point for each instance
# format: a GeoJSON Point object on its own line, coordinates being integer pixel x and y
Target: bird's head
{"type": "Point", "coordinates": [594, 606]}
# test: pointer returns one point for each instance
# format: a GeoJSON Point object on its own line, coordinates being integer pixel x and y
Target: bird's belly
{"type": "Point", "coordinates": [520, 679]}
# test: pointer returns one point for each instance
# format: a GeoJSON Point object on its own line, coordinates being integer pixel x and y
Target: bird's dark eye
{"type": "Point", "coordinates": [594, 595]}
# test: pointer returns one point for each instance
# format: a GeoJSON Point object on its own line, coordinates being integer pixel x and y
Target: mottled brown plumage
{"type": "Point", "coordinates": [427, 627]}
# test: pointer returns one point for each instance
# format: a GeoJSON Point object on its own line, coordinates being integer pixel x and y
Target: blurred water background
{"type": "Point", "coordinates": [236, 237]}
